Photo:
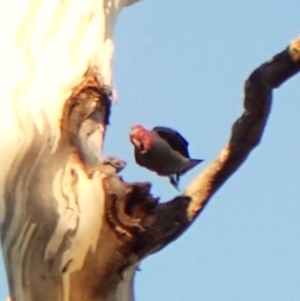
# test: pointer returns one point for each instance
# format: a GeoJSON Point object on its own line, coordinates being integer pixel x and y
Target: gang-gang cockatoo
{"type": "Point", "coordinates": [162, 150]}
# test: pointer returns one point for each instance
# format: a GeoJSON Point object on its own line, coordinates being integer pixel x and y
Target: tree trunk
{"type": "Point", "coordinates": [71, 228]}
{"type": "Point", "coordinates": [55, 103]}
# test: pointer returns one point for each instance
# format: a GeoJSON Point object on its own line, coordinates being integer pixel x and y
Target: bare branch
{"type": "Point", "coordinates": [248, 129]}
{"type": "Point", "coordinates": [69, 223]}
{"type": "Point", "coordinates": [168, 220]}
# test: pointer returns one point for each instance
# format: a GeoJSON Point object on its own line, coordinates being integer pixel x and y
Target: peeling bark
{"type": "Point", "coordinates": [72, 229]}
{"type": "Point", "coordinates": [55, 106]}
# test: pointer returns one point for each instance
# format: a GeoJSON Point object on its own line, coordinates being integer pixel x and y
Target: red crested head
{"type": "Point", "coordinates": [141, 138]}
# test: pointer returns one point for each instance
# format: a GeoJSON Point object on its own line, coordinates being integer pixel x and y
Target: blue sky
{"type": "Point", "coordinates": [183, 64]}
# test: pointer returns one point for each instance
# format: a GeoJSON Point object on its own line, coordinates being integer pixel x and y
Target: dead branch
{"type": "Point", "coordinates": [248, 129]}
{"type": "Point", "coordinates": [72, 229]}
{"type": "Point", "coordinates": [165, 222]}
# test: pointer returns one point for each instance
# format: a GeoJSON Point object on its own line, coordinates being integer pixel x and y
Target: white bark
{"type": "Point", "coordinates": [70, 228]}
{"type": "Point", "coordinates": [47, 46]}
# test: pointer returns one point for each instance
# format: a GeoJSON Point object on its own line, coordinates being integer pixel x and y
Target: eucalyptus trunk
{"type": "Point", "coordinates": [71, 228]}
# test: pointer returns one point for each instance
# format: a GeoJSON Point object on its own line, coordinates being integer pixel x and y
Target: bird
{"type": "Point", "coordinates": [162, 150]}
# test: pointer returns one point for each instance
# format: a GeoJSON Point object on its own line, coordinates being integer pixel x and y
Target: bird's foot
{"type": "Point", "coordinates": [174, 180]}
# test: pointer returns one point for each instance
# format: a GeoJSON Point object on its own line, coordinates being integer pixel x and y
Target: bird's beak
{"type": "Point", "coordinates": [138, 144]}
{"type": "Point", "coordinates": [133, 134]}
{"type": "Point", "coordinates": [135, 142]}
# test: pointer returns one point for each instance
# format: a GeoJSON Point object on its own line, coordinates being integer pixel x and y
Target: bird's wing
{"type": "Point", "coordinates": [174, 139]}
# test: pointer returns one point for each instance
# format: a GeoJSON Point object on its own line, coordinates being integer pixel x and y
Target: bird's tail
{"type": "Point", "coordinates": [191, 163]}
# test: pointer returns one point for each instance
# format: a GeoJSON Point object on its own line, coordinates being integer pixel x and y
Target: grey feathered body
{"type": "Point", "coordinates": [162, 159]}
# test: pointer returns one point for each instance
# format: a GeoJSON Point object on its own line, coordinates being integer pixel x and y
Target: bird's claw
{"type": "Point", "coordinates": [174, 180]}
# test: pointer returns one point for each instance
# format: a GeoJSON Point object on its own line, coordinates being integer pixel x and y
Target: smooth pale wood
{"type": "Point", "coordinates": [51, 209]}
{"type": "Point", "coordinates": [71, 229]}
